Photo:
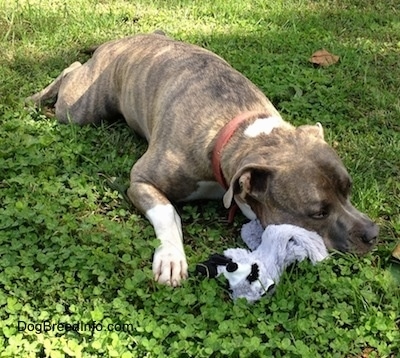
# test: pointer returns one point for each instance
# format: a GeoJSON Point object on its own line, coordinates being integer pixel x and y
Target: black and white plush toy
{"type": "Point", "coordinates": [251, 274]}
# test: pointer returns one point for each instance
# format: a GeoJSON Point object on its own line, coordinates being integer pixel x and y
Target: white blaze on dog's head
{"type": "Point", "coordinates": [263, 126]}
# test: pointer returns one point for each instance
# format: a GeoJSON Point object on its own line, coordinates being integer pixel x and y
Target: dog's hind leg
{"type": "Point", "coordinates": [51, 91]}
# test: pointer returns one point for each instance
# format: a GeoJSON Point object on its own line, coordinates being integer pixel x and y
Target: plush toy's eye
{"type": "Point", "coordinates": [232, 267]}
{"type": "Point", "coordinates": [254, 274]}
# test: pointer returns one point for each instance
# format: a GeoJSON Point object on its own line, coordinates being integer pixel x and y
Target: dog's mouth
{"type": "Point", "coordinates": [364, 239]}
{"type": "Point", "coordinates": [358, 241]}
{"type": "Point", "coordinates": [354, 247]}
{"type": "Point", "coordinates": [360, 247]}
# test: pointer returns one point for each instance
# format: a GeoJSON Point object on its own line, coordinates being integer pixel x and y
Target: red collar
{"type": "Point", "coordinates": [223, 137]}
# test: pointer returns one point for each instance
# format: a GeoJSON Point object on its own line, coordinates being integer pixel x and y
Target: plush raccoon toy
{"type": "Point", "coordinates": [251, 274]}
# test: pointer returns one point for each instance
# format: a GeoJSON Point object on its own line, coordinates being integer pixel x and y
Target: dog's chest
{"type": "Point", "coordinates": [206, 190]}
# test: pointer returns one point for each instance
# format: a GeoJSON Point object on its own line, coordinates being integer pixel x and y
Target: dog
{"type": "Point", "coordinates": [211, 134]}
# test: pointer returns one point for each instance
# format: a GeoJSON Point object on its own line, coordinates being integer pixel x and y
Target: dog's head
{"type": "Point", "coordinates": [294, 177]}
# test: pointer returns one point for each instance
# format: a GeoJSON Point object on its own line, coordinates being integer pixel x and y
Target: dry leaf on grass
{"type": "Point", "coordinates": [396, 252]}
{"type": "Point", "coordinates": [366, 352]}
{"type": "Point", "coordinates": [323, 58]}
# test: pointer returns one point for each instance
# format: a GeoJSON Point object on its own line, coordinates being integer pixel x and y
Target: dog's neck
{"type": "Point", "coordinates": [224, 135]}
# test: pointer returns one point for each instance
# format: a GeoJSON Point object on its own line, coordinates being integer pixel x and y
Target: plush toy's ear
{"type": "Point", "coordinates": [251, 234]}
{"type": "Point", "coordinates": [209, 268]}
{"type": "Point", "coordinates": [251, 180]}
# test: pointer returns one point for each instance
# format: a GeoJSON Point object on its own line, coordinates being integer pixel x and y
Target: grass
{"type": "Point", "coordinates": [76, 255]}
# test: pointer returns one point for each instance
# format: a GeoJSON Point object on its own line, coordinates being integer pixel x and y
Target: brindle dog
{"type": "Point", "coordinates": [180, 97]}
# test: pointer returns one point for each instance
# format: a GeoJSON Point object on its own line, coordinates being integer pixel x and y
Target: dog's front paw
{"type": "Point", "coordinates": [169, 265]}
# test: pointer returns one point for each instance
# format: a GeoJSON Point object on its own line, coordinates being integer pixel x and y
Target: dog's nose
{"type": "Point", "coordinates": [370, 235]}
{"type": "Point", "coordinates": [369, 240]}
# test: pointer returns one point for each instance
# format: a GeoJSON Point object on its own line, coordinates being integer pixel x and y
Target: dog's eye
{"type": "Point", "coordinates": [319, 210]}
{"type": "Point", "coordinates": [321, 214]}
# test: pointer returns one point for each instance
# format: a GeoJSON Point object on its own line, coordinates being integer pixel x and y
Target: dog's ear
{"type": "Point", "coordinates": [316, 130]}
{"type": "Point", "coordinates": [320, 129]}
{"type": "Point", "coordinates": [250, 180]}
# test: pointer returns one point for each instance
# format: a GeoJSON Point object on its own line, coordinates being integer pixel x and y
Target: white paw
{"type": "Point", "coordinates": [169, 265]}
